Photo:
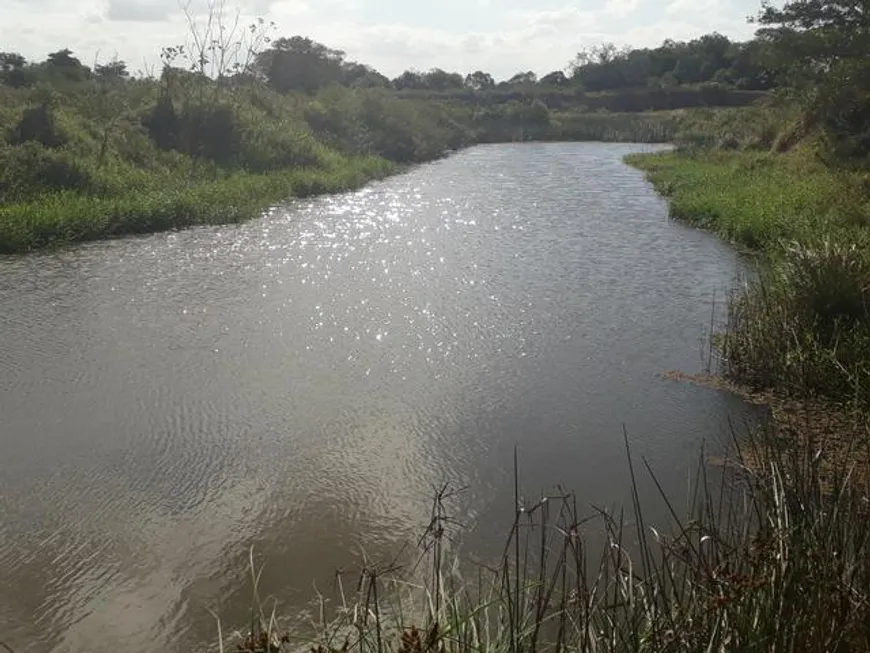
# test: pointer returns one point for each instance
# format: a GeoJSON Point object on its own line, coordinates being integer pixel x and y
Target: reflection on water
{"type": "Point", "coordinates": [300, 382]}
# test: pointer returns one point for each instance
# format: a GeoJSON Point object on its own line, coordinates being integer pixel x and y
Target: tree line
{"type": "Point", "coordinates": [815, 51]}
{"type": "Point", "coordinates": [300, 64]}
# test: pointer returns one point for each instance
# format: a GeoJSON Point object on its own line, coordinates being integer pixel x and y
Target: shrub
{"type": "Point", "coordinates": [38, 125]}
{"type": "Point", "coordinates": [803, 327]}
{"type": "Point", "coordinates": [28, 171]}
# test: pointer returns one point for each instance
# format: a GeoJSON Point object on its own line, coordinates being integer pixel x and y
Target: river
{"type": "Point", "coordinates": [300, 382]}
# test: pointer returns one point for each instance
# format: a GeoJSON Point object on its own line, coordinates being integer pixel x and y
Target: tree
{"type": "Point", "coordinates": [410, 80]}
{"type": "Point", "coordinates": [300, 64]}
{"type": "Point", "coordinates": [358, 75]}
{"type": "Point", "coordinates": [713, 51]}
{"type": "Point", "coordinates": [555, 78]}
{"type": "Point", "coordinates": [440, 80]}
{"type": "Point", "coordinates": [479, 81]}
{"type": "Point", "coordinates": [115, 70]}
{"type": "Point", "coordinates": [63, 65]}
{"type": "Point", "coordinates": [10, 61]}
{"type": "Point", "coordinates": [12, 70]}
{"type": "Point", "coordinates": [523, 79]}
{"type": "Point", "coordinates": [813, 36]}
{"type": "Point", "coordinates": [822, 49]}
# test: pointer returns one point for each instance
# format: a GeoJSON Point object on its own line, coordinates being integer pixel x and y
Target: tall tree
{"type": "Point", "coordinates": [812, 37]}
{"type": "Point", "coordinates": [555, 78]}
{"type": "Point", "coordinates": [823, 48]}
{"type": "Point", "coordinates": [523, 79]}
{"type": "Point", "coordinates": [12, 70]}
{"type": "Point", "coordinates": [440, 80]}
{"type": "Point", "coordinates": [300, 64]}
{"type": "Point", "coordinates": [479, 81]}
{"type": "Point", "coordinates": [63, 65]}
{"type": "Point", "coordinates": [410, 80]}
{"type": "Point", "coordinates": [115, 70]}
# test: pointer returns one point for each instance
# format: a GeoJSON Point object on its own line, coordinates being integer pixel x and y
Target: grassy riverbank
{"type": "Point", "coordinates": [802, 328]}
{"type": "Point", "coordinates": [70, 173]}
{"type": "Point", "coordinates": [89, 153]}
{"type": "Point", "coordinates": [773, 560]}
{"type": "Point", "coordinates": [758, 199]}
{"type": "Point", "coordinates": [95, 159]}
{"type": "Point", "coordinates": [69, 216]}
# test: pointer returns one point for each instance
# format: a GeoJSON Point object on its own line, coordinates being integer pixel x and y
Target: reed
{"type": "Point", "coordinates": [771, 553]}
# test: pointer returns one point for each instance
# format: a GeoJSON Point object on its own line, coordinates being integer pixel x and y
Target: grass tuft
{"type": "Point", "coordinates": [772, 555]}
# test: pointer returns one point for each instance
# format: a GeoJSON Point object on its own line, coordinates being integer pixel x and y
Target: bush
{"type": "Point", "coordinates": [28, 171]}
{"type": "Point", "coordinates": [163, 123]}
{"type": "Point", "coordinates": [803, 327]}
{"type": "Point", "coordinates": [38, 125]}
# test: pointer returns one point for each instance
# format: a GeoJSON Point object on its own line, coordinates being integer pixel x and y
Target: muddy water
{"type": "Point", "coordinates": [300, 382]}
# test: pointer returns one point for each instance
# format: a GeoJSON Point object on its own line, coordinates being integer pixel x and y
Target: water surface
{"type": "Point", "coordinates": [300, 382]}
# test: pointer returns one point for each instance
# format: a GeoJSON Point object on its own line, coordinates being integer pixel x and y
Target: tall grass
{"type": "Point", "coordinates": [803, 326]}
{"type": "Point", "coordinates": [614, 127]}
{"type": "Point", "coordinates": [757, 199]}
{"type": "Point", "coordinates": [68, 216]}
{"type": "Point", "coordinates": [772, 553]}
{"type": "Point", "coordinates": [91, 160]}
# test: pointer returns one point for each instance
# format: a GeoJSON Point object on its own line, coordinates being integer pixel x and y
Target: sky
{"type": "Point", "coordinates": [501, 37]}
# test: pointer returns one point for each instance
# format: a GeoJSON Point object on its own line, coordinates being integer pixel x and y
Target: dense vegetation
{"type": "Point", "coordinates": [772, 560]}
{"type": "Point", "coordinates": [797, 186]}
{"type": "Point", "coordinates": [233, 124]}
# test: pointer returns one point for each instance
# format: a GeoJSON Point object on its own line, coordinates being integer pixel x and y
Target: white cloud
{"type": "Point", "coordinates": [137, 10]}
{"type": "Point", "coordinates": [707, 8]}
{"type": "Point", "coordinates": [392, 35]}
{"type": "Point", "coordinates": [621, 7]}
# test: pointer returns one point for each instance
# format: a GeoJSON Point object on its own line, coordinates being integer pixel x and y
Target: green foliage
{"type": "Point", "coordinates": [821, 49]}
{"type": "Point", "coordinates": [479, 81]}
{"type": "Point", "coordinates": [619, 127]}
{"type": "Point", "coordinates": [803, 327]}
{"type": "Point", "coordinates": [372, 120]}
{"type": "Point", "coordinates": [512, 121]}
{"type": "Point", "coordinates": [770, 553]}
{"type": "Point", "coordinates": [38, 125]}
{"type": "Point", "coordinates": [117, 155]}
{"type": "Point", "coordinates": [12, 70]}
{"type": "Point", "coordinates": [28, 171]}
{"type": "Point", "coordinates": [710, 58]}
{"type": "Point", "coordinates": [58, 218]}
{"type": "Point", "coordinates": [300, 64]}
{"type": "Point", "coordinates": [163, 123]}
{"type": "Point", "coordinates": [757, 199]}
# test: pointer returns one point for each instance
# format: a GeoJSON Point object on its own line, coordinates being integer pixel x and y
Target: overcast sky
{"type": "Point", "coordinates": [498, 36]}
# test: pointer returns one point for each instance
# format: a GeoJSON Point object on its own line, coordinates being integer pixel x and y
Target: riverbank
{"type": "Point", "coordinates": [802, 328]}
{"type": "Point", "coordinates": [98, 158]}
{"type": "Point", "coordinates": [772, 559]}
{"type": "Point", "coordinates": [68, 194]}
{"type": "Point", "coordinates": [70, 217]}
{"type": "Point", "coordinates": [758, 199]}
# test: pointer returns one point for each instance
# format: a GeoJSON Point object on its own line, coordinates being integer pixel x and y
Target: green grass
{"type": "Point", "coordinates": [91, 159]}
{"type": "Point", "coordinates": [659, 127]}
{"type": "Point", "coordinates": [758, 199]}
{"type": "Point", "coordinates": [66, 217]}
{"type": "Point", "coordinates": [802, 327]}
{"type": "Point", "coordinates": [771, 553]}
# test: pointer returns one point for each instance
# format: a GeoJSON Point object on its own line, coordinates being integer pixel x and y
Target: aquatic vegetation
{"type": "Point", "coordinates": [771, 553]}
